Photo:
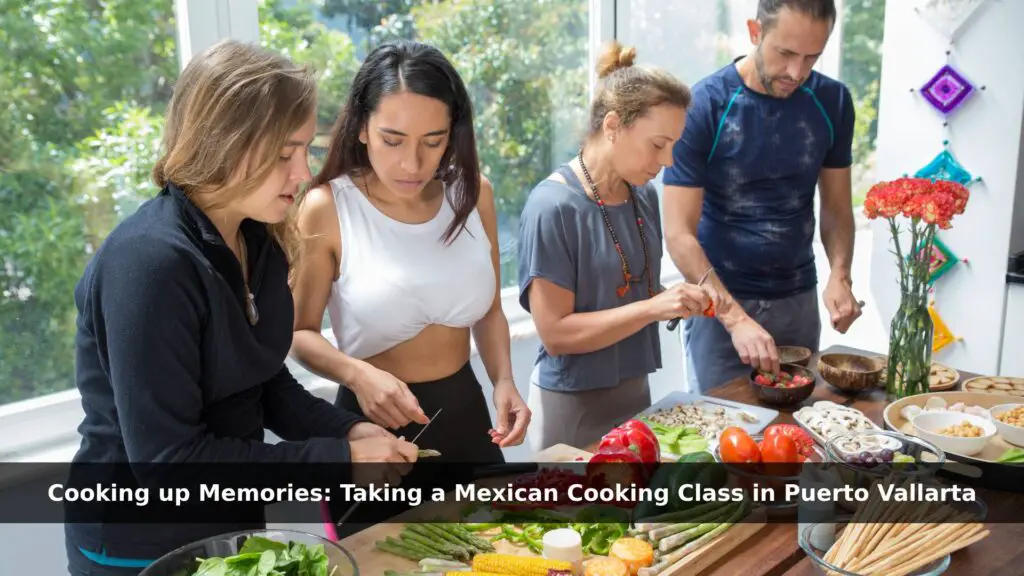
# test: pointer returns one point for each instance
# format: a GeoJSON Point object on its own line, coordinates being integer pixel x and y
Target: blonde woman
{"type": "Point", "coordinates": [590, 259]}
{"type": "Point", "coordinates": [185, 314]}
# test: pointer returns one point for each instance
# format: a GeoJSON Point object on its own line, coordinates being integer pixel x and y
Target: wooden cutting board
{"type": "Point", "coordinates": [372, 561]}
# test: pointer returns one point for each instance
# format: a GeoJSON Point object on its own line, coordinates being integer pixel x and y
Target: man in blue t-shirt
{"type": "Point", "coordinates": [739, 197]}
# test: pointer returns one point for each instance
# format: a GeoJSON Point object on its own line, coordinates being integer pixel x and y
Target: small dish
{"type": "Point", "coordinates": [850, 372]}
{"type": "Point", "coordinates": [798, 355]}
{"type": "Point", "coordinates": [928, 425]}
{"type": "Point", "coordinates": [787, 395]}
{"type": "Point", "coordinates": [1011, 433]}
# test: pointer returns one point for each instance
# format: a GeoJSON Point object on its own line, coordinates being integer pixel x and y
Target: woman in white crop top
{"type": "Point", "coordinates": [400, 248]}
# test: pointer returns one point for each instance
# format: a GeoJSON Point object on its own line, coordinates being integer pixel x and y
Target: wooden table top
{"type": "Point", "coordinates": [775, 551]}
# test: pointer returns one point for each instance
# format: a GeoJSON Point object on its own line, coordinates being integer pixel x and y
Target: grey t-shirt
{"type": "Point", "coordinates": [564, 240]}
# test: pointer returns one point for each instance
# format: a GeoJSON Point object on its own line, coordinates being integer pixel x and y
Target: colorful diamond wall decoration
{"type": "Point", "coordinates": [941, 260]}
{"type": "Point", "coordinates": [945, 167]}
{"type": "Point", "coordinates": [947, 90]}
{"type": "Point", "coordinates": [948, 17]}
{"type": "Point", "coordinates": [942, 336]}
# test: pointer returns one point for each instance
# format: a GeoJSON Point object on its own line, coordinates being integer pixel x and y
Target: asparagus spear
{"type": "Point", "coordinates": [430, 543]}
{"type": "Point", "coordinates": [400, 551]}
{"type": "Point", "coordinates": [456, 549]}
{"type": "Point", "coordinates": [446, 536]}
{"type": "Point", "coordinates": [659, 534]}
{"type": "Point", "coordinates": [676, 517]}
{"type": "Point", "coordinates": [465, 536]}
{"type": "Point", "coordinates": [427, 551]}
{"type": "Point", "coordinates": [682, 552]}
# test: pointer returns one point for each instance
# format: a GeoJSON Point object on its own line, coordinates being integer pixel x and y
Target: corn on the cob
{"type": "Point", "coordinates": [513, 565]}
{"type": "Point", "coordinates": [471, 574]}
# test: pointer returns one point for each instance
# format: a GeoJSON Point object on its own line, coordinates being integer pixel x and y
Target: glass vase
{"type": "Point", "coordinates": [910, 348]}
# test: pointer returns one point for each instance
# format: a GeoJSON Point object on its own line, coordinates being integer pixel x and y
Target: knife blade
{"type": "Point", "coordinates": [429, 422]}
{"type": "Point", "coordinates": [413, 441]}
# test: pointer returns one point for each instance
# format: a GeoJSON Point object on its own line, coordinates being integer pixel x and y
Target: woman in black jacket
{"type": "Point", "coordinates": [185, 314]}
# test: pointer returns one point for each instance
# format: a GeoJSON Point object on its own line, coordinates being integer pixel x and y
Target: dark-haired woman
{"type": "Point", "coordinates": [400, 247]}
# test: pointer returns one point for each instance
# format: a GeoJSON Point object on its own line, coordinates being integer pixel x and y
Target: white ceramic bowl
{"type": "Point", "coordinates": [1010, 433]}
{"type": "Point", "coordinates": [928, 425]}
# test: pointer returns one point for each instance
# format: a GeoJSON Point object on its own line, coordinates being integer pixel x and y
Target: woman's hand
{"type": "Point", "coordinates": [386, 400]}
{"type": "Point", "coordinates": [513, 414]}
{"type": "Point", "coordinates": [381, 458]}
{"type": "Point", "coordinates": [682, 301]}
{"type": "Point", "coordinates": [364, 430]}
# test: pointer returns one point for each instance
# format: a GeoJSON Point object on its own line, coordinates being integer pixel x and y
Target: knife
{"type": "Point", "coordinates": [352, 508]}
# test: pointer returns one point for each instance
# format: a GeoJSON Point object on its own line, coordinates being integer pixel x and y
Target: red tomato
{"type": "Point", "coordinates": [781, 456]}
{"type": "Point", "coordinates": [803, 440]}
{"type": "Point", "coordinates": [737, 447]}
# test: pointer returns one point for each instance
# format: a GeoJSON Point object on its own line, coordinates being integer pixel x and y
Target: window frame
{"type": "Point", "coordinates": [45, 428]}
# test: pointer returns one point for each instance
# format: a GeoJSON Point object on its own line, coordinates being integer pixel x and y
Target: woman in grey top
{"type": "Point", "coordinates": [590, 259]}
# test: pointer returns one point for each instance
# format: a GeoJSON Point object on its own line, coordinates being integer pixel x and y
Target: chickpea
{"type": "Point", "coordinates": [1013, 417]}
{"type": "Point", "coordinates": [962, 430]}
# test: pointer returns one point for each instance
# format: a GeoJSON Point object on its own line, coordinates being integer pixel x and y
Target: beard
{"type": "Point", "coordinates": [767, 80]}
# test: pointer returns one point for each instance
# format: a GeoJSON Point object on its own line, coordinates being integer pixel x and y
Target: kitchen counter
{"type": "Point", "coordinates": [774, 550]}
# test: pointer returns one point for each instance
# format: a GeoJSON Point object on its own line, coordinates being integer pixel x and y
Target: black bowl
{"type": "Point", "coordinates": [784, 396]}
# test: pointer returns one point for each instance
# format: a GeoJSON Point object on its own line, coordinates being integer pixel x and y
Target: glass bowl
{"type": "Point", "coordinates": [821, 566]}
{"type": "Point", "coordinates": [928, 459]}
{"type": "Point", "coordinates": [183, 561]}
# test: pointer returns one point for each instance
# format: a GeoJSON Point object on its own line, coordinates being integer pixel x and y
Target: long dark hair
{"type": "Point", "coordinates": [421, 69]}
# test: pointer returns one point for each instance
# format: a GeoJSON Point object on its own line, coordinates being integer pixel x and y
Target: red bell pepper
{"type": "Point", "coordinates": [614, 465]}
{"type": "Point", "coordinates": [638, 438]}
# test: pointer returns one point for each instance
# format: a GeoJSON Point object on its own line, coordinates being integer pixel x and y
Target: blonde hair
{"type": "Point", "coordinates": [630, 91]}
{"type": "Point", "coordinates": [233, 108]}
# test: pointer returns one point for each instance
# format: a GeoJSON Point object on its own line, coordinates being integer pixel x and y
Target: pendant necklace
{"type": "Point", "coordinates": [250, 301]}
{"type": "Point", "coordinates": [626, 274]}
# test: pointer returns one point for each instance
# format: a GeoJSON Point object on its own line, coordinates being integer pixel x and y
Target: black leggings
{"type": "Point", "coordinates": [459, 433]}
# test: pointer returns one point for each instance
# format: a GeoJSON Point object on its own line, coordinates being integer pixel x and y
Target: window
{"type": "Point", "coordinates": [688, 39]}
{"type": "Point", "coordinates": [861, 71]}
{"type": "Point", "coordinates": [85, 86]}
{"type": "Point", "coordinates": [525, 63]}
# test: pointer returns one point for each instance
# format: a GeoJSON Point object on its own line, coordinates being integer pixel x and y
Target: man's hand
{"type": "Point", "coordinates": [755, 345]}
{"type": "Point", "coordinates": [842, 306]}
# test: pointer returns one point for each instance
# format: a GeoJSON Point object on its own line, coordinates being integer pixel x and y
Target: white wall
{"type": "Point", "coordinates": [985, 136]}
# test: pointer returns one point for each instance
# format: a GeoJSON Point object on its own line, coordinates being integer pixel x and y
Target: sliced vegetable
{"type": "Point", "coordinates": [634, 553]}
{"type": "Point", "coordinates": [605, 567]}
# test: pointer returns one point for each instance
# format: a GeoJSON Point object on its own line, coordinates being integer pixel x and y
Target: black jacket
{"type": "Point", "coordinates": [171, 371]}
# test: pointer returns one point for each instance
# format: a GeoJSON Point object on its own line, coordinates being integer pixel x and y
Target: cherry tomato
{"type": "Point", "coordinates": [737, 447]}
{"type": "Point", "coordinates": [781, 456]}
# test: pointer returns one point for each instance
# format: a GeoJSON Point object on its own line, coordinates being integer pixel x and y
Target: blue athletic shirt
{"type": "Point", "coordinates": [757, 158]}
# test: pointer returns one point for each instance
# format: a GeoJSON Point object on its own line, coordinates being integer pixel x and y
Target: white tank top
{"type": "Point", "coordinates": [398, 278]}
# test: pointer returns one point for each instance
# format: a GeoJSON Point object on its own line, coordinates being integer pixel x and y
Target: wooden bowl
{"type": "Point", "coordinates": [849, 372]}
{"type": "Point", "coordinates": [784, 396]}
{"type": "Point", "coordinates": [794, 355]}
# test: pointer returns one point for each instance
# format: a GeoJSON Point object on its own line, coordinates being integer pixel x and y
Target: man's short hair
{"type": "Point", "coordinates": [768, 10]}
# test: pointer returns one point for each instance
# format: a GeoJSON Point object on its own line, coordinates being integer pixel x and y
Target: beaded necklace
{"type": "Point", "coordinates": [626, 274]}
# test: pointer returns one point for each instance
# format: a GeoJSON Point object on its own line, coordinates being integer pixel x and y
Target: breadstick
{"type": "Point", "coordinates": [904, 570]}
{"type": "Point", "coordinates": [939, 539]}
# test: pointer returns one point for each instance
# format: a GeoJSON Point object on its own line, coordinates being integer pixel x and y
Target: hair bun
{"type": "Point", "coordinates": [614, 57]}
